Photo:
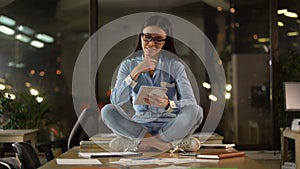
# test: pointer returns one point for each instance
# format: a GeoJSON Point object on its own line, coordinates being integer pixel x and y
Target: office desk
{"type": "Point", "coordinates": [18, 135]}
{"type": "Point", "coordinates": [290, 134]}
{"type": "Point", "coordinates": [238, 162]}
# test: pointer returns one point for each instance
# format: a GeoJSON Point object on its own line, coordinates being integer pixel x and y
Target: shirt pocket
{"type": "Point", "coordinates": [171, 88]}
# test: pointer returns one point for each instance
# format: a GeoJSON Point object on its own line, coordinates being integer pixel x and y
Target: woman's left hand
{"type": "Point", "coordinates": [157, 98]}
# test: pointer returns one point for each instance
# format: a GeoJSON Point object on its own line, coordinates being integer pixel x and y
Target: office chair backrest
{"type": "Point", "coordinates": [85, 126]}
{"type": "Point", "coordinates": [6, 165]}
{"type": "Point", "coordinates": [26, 155]}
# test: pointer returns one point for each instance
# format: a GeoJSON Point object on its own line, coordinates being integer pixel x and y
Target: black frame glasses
{"type": "Point", "coordinates": [157, 39]}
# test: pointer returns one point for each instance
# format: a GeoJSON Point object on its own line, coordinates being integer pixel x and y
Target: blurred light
{"type": "Point", "coordinates": [58, 59]}
{"type": "Point", "coordinates": [227, 95]}
{"type": "Point", "coordinates": [11, 64]}
{"type": "Point", "coordinates": [291, 14]}
{"type": "Point", "coordinates": [237, 24]}
{"type": "Point", "coordinates": [298, 21]}
{"type": "Point", "coordinates": [228, 87]}
{"type": "Point", "coordinates": [2, 80]}
{"type": "Point", "coordinates": [266, 49]}
{"type": "Point", "coordinates": [22, 38]}
{"type": "Point", "coordinates": [25, 29]}
{"type": "Point", "coordinates": [8, 87]}
{"type": "Point", "coordinates": [280, 24]}
{"type": "Point", "coordinates": [220, 62]}
{"type": "Point", "coordinates": [257, 45]}
{"type": "Point", "coordinates": [37, 44]}
{"type": "Point", "coordinates": [10, 96]}
{"type": "Point", "coordinates": [42, 73]}
{"type": "Point", "coordinates": [206, 85]}
{"type": "Point", "coordinates": [7, 21]}
{"type": "Point", "coordinates": [27, 84]}
{"type": "Point", "coordinates": [56, 89]}
{"type": "Point", "coordinates": [212, 98]}
{"type": "Point", "coordinates": [263, 40]}
{"type": "Point", "coordinates": [232, 10]}
{"type": "Point", "coordinates": [6, 30]}
{"type": "Point", "coordinates": [255, 36]}
{"type": "Point", "coordinates": [34, 92]}
{"type": "Point", "coordinates": [292, 34]}
{"type": "Point", "coordinates": [20, 65]}
{"type": "Point", "coordinates": [39, 99]}
{"type": "Point", "coordinates": [32, 71]}
{"type": "Point", "coordinates": [219, 8]}
{"type": "Point", "coordinates": [45, 38]}
{"type": "Point", "coordinates": [281, 11]}
{"type": "Point", "coordinates": [2, 87]}
{"type": "Point", "coordinates": [58, 72]}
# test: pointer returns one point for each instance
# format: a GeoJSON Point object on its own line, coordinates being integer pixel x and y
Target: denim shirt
{"type": "Point", "coordinates": [169, 72]}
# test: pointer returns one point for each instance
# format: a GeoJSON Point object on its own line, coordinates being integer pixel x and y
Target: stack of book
{"type": "Point", "coordinates": [93, 146]}
{"type": "Point", "coordinates": [288, 165]}
{"type": "Point", "coordinates": [226, 153]}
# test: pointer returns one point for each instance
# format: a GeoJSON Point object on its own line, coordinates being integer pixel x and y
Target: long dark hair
{"type": "Point", "coordinates": [165, 25]}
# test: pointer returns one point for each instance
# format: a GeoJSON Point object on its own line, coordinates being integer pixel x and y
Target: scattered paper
{"type": "Point", "coordinates": [173, 167]}
{"type": "Point", "coordinates": [158, 161]}
{"type": "Point", "coordinates": [65, 161]}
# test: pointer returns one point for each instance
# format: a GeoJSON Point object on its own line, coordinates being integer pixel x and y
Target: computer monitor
{"type": "Point", "coordinates": [292, 96]}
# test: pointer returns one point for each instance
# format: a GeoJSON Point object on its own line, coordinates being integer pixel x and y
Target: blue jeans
{"type": "Point", "coordinates": [168, 129]}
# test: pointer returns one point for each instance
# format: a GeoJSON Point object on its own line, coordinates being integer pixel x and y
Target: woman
{"type": "Point", "coordinates": [168, 119]}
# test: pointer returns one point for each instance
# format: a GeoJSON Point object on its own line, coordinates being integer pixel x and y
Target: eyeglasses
{"type": "Point", "coordinates": [157, 39]}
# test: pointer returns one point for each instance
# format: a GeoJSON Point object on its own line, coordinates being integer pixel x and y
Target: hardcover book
{"type": "Point", "coordinates": [221, 154]}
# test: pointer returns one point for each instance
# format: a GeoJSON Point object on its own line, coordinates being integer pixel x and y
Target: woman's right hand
{"type": "Point", "coordinates": [146, 65]}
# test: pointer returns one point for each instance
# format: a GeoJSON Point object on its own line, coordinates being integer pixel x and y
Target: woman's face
{"type": "Point", "coordinates": [153, 39]}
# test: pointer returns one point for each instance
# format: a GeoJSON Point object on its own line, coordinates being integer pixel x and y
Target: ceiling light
{"type": "Point", "coordinates": [11, 64]}
{"type": "Point", "coordinates": [22, 38]}
{"type": "Point", "coordinates": [7, 21]}
{"type": "Point", "coordinates": [292, 34]}
{"type": "Point", "coordinates": [25, 29]}
{"type": "Point", "coordinates": [6, 30]}
{"type": "Point", "coordinates": [34, 92]}
{"type": "Point", "coordinates": [281, 11]}
{"type": "Point", "coordinates": [45, 38]}
{"type": "Point", "coordinates": [291, 14]}
{"type": "Point", "coordinates": [228, 87]}
{"type": "Point", "coordinates": [227, 95]}
{"type": "Point", "coordinates": [37, 44]}
{"type": "Point", "coordinates": [10, 96]}
{"type": "Point", "coordinates": [280, 24]}
{"type": "Point", "coordinates": [263, 40]}
{"type": "Point", "coordinates": [20, 65]}
{"type": "Point", "coordinates": [206, 85]}
{"type": "Point", "coordinates": [2, 87]}
{"type": "Point", "coordinates": [212, 97]}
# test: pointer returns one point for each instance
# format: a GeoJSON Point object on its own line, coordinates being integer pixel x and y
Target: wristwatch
{"type": "Point", "coordinates": [171, 107]}
{"type": "Point", "coordinates": [130, 81]}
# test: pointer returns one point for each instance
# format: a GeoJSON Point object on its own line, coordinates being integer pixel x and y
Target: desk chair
{"type": "Point", "coordinates": [26, 155]}
{"type": "Point", "coordinates": [6, 165]}
{"type": "Point", "coordinates": [89, 118]}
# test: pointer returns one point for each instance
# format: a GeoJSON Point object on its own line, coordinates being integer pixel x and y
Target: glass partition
{"type": "Point", "coordinates": [40, 42]}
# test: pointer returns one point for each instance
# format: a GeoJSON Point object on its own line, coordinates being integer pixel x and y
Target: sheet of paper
{"type": "Point", "coordinates": [65, 161]}
{"type": "Point", "coordinates": [108, 154]}
{"type": "Point", "coordinates": [158, 161]}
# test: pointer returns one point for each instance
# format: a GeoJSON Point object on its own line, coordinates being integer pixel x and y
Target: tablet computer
{"type": "Point", "coordinates": [147, 90]}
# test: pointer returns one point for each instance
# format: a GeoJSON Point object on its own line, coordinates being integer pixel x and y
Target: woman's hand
{"type": "Point", "coordinates": [146, 65]}
{"type": "Point", "coordinates": [157, 98]}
